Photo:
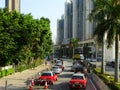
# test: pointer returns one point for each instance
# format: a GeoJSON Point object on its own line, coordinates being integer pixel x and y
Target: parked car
{"type": "Point", "coordinates": [47, 76]}
{"type": "Point", "coordinates": [88, 59]}
{"type": "Point", "coordinates": [99, 59]}
{"type": "Point", "coordinates": [78, 81]}
{"type": "Point", "coordinates": [56, 69]}
{"type": "Point", "coordinates": [93, 60]}
{"type": "Point", "coordinates": [110, 63]}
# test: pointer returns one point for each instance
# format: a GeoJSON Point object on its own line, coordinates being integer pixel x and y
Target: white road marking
{"type": "Point", "coordinates": [93, 85]}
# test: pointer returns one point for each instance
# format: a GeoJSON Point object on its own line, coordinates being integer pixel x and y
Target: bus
{"type": "Point", "coordinates": [78, 55]}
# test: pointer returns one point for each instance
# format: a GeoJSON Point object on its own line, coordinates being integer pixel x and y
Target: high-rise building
{"type": "Point", "coordinates": [82, 27]}
{"type": "Point", "coordinates": [78, 19]}
{"type": "Point", "coordinates": [60, 30]}
{"type": "Point", "coordinates": [77, 25]}
{"type": "Point", "coordinates": [88, 26]}
{"type": "Point", "coordinates": [68, 20]}
{"type": "Point", "coordinates": [13, 5]}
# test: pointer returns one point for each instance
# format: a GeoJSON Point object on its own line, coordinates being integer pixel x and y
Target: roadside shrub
{"type": "Point", "coordinates": [23, 66]}
{"type": "Point", "coordinates": [96, 71]}
{"type": "Point", "coordinates": [107, 79]}
{"type": "Point", "coordinates": [115, 86]}
{"type": "Point", "coordinates": [6, 72]}
{"type": "Point", "coordinates": [10, 71]}
{"type": "Point", "coordinates": [3, 73]}
{"type": "Point", "coordinates": [20, 68]}
{"type": "Point", "coordinates": [0, 74]}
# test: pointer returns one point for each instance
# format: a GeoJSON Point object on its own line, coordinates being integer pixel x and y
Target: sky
{"type": "Point", "coordinates": [52, 9]}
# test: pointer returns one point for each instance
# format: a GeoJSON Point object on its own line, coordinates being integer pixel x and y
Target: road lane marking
{"type": "Point", "coordinates": [93, 85]}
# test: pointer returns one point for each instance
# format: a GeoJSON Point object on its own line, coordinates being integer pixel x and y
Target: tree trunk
{"type": "Point", "coordinates": [103, 57]}
{"type": "Point", "coordinates": [73, 53]}
{"type": "Point", "coordinates": [116, 78]}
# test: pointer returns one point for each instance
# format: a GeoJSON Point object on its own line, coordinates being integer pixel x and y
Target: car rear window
{"type": "Point", "coordinates": [46, 74]}
{"type": "Point", "coordinates": [77, 77]}
{"type": "Point", "coordinates": [55, 67]}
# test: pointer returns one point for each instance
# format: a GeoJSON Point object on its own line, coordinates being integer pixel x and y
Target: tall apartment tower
{"type": "Point", "coordinates": [68, 20]}
{"type": "Point", "coordinates": [75, 18]}
{"type": "Point", "coordinates": [82, 27]}
{"type": "Point", "coordinates": [88, 26]}
{"type": "Point", "coordinates": [60, 30]}
{"type": "Point", "coordinates": [13, 5]}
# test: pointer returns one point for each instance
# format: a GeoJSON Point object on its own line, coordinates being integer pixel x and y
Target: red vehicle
{"type": "Point", "coordinates": [78, 81]}
{"type": "Point", "coordinates": [48, 76]}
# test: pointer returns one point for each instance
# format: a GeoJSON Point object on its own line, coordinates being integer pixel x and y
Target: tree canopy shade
{"type": "Point", "coordinates": [23, 37]}
{"type": "Point", "coordinates": [107, 15]}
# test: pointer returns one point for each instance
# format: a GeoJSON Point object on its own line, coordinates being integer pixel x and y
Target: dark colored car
{"type": "Point", "coordinates": [110, 63]}
{"type": "Point", "coordinates": [79, 68]}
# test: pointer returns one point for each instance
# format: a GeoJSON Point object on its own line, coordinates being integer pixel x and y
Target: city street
{"type": "Point", "coordinates": [65, 76]}
{"type": "Point", "coordinates": [16, 82]}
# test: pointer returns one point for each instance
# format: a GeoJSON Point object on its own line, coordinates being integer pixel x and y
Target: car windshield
{"type": "Point", "coordinates": [46, 74]}
{"type": "Point", "coordinates": [55, 67]}
{"type": "Point", "coordinates": [59, 65]}
{"type": "Point", "coordinates": [77, 77]}
{"type": "Point", "coordinates": [79, 68]}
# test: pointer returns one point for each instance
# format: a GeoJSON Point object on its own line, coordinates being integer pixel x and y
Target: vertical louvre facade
{"type": "Point", "coordinates": [13, 5]}
{"type": "Point", "coordinates": [68, 20]}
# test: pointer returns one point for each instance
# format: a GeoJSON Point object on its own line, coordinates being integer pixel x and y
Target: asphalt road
{"type": "Point", "coordinates": [65, 76]}
{"type": "Point", "coordinates": [63, 79]}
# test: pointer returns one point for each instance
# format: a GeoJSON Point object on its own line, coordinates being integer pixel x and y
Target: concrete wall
{"type": "Point", "coordinates": [98, 82]}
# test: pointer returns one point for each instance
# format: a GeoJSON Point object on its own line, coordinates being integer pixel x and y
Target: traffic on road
{"type": "Point", "coordinates": [62, 76]}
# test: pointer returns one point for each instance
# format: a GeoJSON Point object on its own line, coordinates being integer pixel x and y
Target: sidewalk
{"type": "Point", "coordinates": [18, 81]}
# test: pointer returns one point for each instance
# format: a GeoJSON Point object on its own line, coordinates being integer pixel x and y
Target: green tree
{"type": "Point", "coordinates": [107, 15]}
{"type": "Point", "coordinates": [74, 44]}
{"type": "Point", "coordinates": [7, 34]}
{"type": "Point", "coordinates": [22, 37]}
{"type": "Point", "coordinates": [44, 43]}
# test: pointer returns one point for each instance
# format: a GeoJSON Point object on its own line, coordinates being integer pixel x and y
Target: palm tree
{"type": "Point", "coordinates": [107, 15]}
{"type": "Point", "coordinates": [74, 44]}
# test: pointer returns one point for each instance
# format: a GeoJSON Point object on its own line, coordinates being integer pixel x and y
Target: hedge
{"type": "Point", "coordinates": [108, 79]}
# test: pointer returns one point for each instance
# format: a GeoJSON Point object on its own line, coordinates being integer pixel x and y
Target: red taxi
{"type": "Point", "coordinates": [47, 76]}
{"type": "Point", "coordinates": [78, 81]}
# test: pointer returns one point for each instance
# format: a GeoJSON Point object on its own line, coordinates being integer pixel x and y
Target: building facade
{"type": "Point", "coordinates": [13, 5]}
{"type": "Point", "coordinates": [77, 25]}
{"type": "Point", "coordinates": [60, 30]}
{"type": "Point", "coordinates": [88, 26]}
{"type": "Point", "coordinates": [68, 20]}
